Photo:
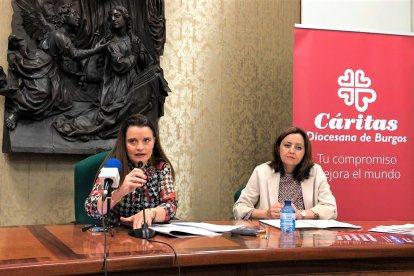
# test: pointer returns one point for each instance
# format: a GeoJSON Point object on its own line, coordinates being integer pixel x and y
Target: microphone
{"type": "Point", "coordinates": [109, 176]}
{"type": "Point", "coordinates": [144, 232]}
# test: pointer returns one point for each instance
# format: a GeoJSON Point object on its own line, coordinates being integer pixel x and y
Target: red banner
{"type": "Point", "coordinates": [353, 93]}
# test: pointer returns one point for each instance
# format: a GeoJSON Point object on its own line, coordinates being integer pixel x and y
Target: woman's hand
{"type": "Point", "coordinates": [274, 211]}
{"type": "Point", "coordinates": [297, 212]}
{"type": "Point", "coordinates": [135, 179]}
{"type": "Point", "coordinates": [137, 220]}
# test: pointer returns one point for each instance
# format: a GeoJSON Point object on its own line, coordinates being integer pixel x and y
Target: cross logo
{"type": "Point", "coordinates": [355, 89]}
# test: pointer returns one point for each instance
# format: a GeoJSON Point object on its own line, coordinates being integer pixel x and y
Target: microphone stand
{"type": "Point", "coordinates": [108, 210]}
{"type": "Point", "coordinates": [107, 227]}
{"type": "Point", "coordinates": [144, 232]}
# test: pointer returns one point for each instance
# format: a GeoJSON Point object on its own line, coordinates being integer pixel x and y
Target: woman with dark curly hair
{"type": "Point", "coordinates": [292, 175]}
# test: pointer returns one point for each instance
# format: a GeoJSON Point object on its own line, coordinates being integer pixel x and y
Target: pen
{"type": "Point", "coordinates": [262, 234]}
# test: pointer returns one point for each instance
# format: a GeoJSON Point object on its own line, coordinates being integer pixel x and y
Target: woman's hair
{"type": "Point", "coordinates": [302, 170]}
{"type": "Point", "coordinates": [120, 152]}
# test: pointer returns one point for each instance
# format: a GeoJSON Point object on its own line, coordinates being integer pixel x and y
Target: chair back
{"type": "Point", "coordinates": [84, 177]}
{"type": "Point", "coordinates": [237, 194]}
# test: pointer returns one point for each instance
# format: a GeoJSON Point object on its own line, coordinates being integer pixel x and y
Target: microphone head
{"type": "Point", "coordinates": [110, 173]}
{"type": "Point", "coordinates": [113, 163]}
{"type": "Point", "coordinates": [140, 164]}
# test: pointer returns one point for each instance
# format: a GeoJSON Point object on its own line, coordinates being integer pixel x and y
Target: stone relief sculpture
{"type": "Point", "coordinates": [124, 90]}
{"type": "Point", "coordinates": [77, 68]}
{"type": "Point", "coordinates": [36, 88]}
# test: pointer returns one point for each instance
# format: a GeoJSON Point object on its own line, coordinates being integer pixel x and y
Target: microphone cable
{"type": "Point", "coordinates": [175, 254]}
{"type": "Point", "coordinates": [105, 259]}
{"type": "Point", "coordinates": [139, 166]}
{"type": "Point", "coordinates": [104, 218]}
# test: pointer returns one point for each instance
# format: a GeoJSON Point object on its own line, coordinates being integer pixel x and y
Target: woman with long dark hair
{"type": "Point", "coordinates": [137, 142]}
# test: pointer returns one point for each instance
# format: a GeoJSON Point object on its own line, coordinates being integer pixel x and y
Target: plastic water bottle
{"type": "Point", "coordinates": [287, 240]}
{"type": "Point", "coordinates": [287, 218]}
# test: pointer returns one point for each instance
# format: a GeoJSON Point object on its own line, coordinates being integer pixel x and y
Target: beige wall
{"type": "Point", "coordinates": [229, 64]}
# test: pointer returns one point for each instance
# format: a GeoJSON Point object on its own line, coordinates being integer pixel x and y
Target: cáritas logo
{"type": "Point", "coordinates": [355, 89]}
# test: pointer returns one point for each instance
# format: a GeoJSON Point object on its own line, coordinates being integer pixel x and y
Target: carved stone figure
{"type": "Point", "coordinates": [73, 74]}
{"type": "Point", "coordinates": [36, 89]}
{"type": "Point", "coordinates": [126, 87]}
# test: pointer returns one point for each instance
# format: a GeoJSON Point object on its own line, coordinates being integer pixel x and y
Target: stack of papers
{"type": "Point", "coordinates": [209, 226]}
{"type": "Point", "coordinates": [309, 223]}
{"type": "Point", "coordinates": [188, 229]}
{"type": "Point", "coordinates": [394, 229]}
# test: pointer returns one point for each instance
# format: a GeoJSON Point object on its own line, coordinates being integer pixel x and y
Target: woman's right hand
{"type": "Point", "coordinates": [135, 179]}
{"type": "Point", "coordinates": [274, 211]}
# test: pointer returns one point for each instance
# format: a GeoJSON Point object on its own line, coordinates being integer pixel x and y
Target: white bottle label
{"type": "Point", "coordinates": [287, 222]}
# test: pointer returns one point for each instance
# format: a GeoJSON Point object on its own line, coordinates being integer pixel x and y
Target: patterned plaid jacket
{"type": "Point", "coordinates": [158, 192]}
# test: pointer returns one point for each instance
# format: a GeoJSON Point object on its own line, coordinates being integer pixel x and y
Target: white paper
{"type": "Point", "coordinates": [395, 229]}
{"type": "Point", "coordinates": [209, 226]}
{"type": "Point", "coordinates": [308, 223]}
{"type": "Point", "coordinates": [182, 231]}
